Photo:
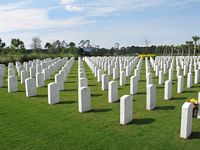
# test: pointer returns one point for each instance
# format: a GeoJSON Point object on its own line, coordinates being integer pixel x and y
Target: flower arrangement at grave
{"type": "Point", "coordinates": [195, 104]}
{"type": "Point", "coordinates": [193, 101]}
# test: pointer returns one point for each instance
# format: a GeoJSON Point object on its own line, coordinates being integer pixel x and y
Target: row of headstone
{"type": "Point", "coordinates": [113, 85]}
{"type": "Point", "coordinates": [111, 65]}
{"type": "Point", "coordinates": [160, 66]}
{"type": "Point", "coordinates": [54, 88]}
{"type": "Point", "coordinates": [84, 93]}
{"type": "Point", "coordinates": [36, 77]}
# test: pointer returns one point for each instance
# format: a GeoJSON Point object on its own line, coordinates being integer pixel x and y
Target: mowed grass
{"type": "Point", "coordinates": [30, 123]}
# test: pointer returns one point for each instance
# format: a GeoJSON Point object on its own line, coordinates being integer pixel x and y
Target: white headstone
{"type": "Point", "coordinates": [189, 80]}
{"type": "Point", "coordinates": [32, 72]}
{"type": "Point", "coordinates": [126, 109]}
{"type": "Point", "coordinates": [84, 100]}
{"type": "Point", "coordinates": [12, 84]}
{"type": "Point", "coordinates": [128, 71]}
{"type": "Point", "coordinates": [105, 80]}
{"type": "Point", "coordinates": [53, 93]}
{"type": "Point", "coordinates": [60, 81]}
{"type": "Point", "coordinates": [157, 70]}
{"type": "Point", "coordinates": [115, 73]}
{"type": "Point", "coordinates": [110, 70]}
{"type": "Point", "coordinates": [1, 81]}
{"type": "Point", "coordinates": [178, 73]}
{"type": "Point", "coordinates": [40, 79]}
{"type": "Point", "coordinates": [24, 76]}
{"type": "Point", "coordinates": [186, 120]}
{"type": "Point", "coordinates": [171, 74]}
{"type": "Point", "coordinates": [30, 85]}
{"type": "Point", "coordinates": [168, 90]}
{"type": "Point", "coordinates": [99, 75]}
{"type": "Point", "coordinates": [47, 74]}
{"type": "Point", "coordinates": [161, 77]}
{"type": "Point", "coordinates": [133, 85]}
{"type": "Point", "coordinates": [196, 76]}
{"type": "Point", "coordinates": [112, 91]}
{"type": "Point", "coordinates": [122, 78]}
{"type": "Point", "coordinates": [180, 84]}
{"type": "Point", "coordinates": [185, 70]}
{"type": "Point", "coordinates": [150, 97]}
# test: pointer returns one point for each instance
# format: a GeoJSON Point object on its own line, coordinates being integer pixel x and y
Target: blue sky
{"type": "Point", "coordinates": [103, 22]}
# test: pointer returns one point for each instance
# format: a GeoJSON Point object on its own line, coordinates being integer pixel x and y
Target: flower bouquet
{"type": "Point", "coordinates": [195, 106]}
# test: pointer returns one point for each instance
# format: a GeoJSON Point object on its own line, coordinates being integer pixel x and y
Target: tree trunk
{"type": "Point", "coordinates": [195, 46]}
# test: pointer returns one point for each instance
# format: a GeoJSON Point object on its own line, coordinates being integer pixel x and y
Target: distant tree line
{"type": "Point", "coordinates": [58, 47]}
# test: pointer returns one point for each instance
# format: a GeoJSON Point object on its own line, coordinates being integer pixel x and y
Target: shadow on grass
{"type": "Point", "coordinates": [45, 86]}
{"type": "Point", "coordinates": [140, 93]}
{"type": "Point", "coordinates": [42, 95]}
{"type": "Point", "coordinates": [165, 107]}
{"type": "Point", "coordinates": [195, 86]}
{"type": "Point", "coordinates": [20, 91]}
{"type": "Point", "coordinates": [3, 114]}
{"type": "Point", "coordinates": [178, 98]}
{"type": "Point", "coordinates": [92, 85]}
{"type": "Point", "coordinates": [142, 80]}
{"type": "Point", "coordinates": [71, 82]}
{"type": "Point", "coordinates": [127, 84]}
{"type": "Point", "coordinates": [4, 87]}
{"type": "Point", "coordinates": [142, 121]}
{"type": "Point", "coordinates": [117, 101]}
{"type": "Point", "coordinates": [99, 110]}
{"type": "Point", "coordinates": [195, 135]}
{"type": "Point", "coordinates": [96, 95]}
{"type": "Point", "coordinates": [119, 89]}
{"type": "Point", "coordinates": [189, 91]}
{"type": "Point", "coordinates": [70, 90]}
{"type": "Point", "coordinates": [159, 87]}
{"type": "Point", "coordinates": [67, 102]}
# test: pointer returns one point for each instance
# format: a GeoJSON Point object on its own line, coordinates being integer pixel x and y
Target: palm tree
{"type": "Point", "coordinates": [183, 48]}
{"type": "Point", "coordinates": [72, 44]}
{"type": "Point", "coordinates": [189, 45]}
{"type": "Point", "coordinates": [2, 44]}
{"type": "Point", "coordinates": [172, 49]}
{"type": "Point", "coordinates": [17, 44]}
{"type": "Point", "coordinates": [178, 49]}
{"type": "Point", "coordinates": [195, 39]}
{"type": "Point", "coordinates": [48, 46]}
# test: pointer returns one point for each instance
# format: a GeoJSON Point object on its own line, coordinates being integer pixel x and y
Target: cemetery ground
{"type": "Point", "coordinates": [30, 123]}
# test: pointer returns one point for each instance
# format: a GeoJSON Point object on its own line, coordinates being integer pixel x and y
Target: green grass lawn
{"type": "Point", "coordinates": [30, 123]}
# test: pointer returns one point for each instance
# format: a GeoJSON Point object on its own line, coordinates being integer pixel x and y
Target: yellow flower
{"type": "Point", "coordinates": [193, 100]}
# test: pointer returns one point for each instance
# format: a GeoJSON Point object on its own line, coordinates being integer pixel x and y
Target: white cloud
{"type": "Point", "coordinates": [73, 8]}
{"type": "Point", "coordinates": [15, 17]}
{"type": "Point", "coordinates": [107, 7]}
{"type": "Point", "coordinates": [67, 1]}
